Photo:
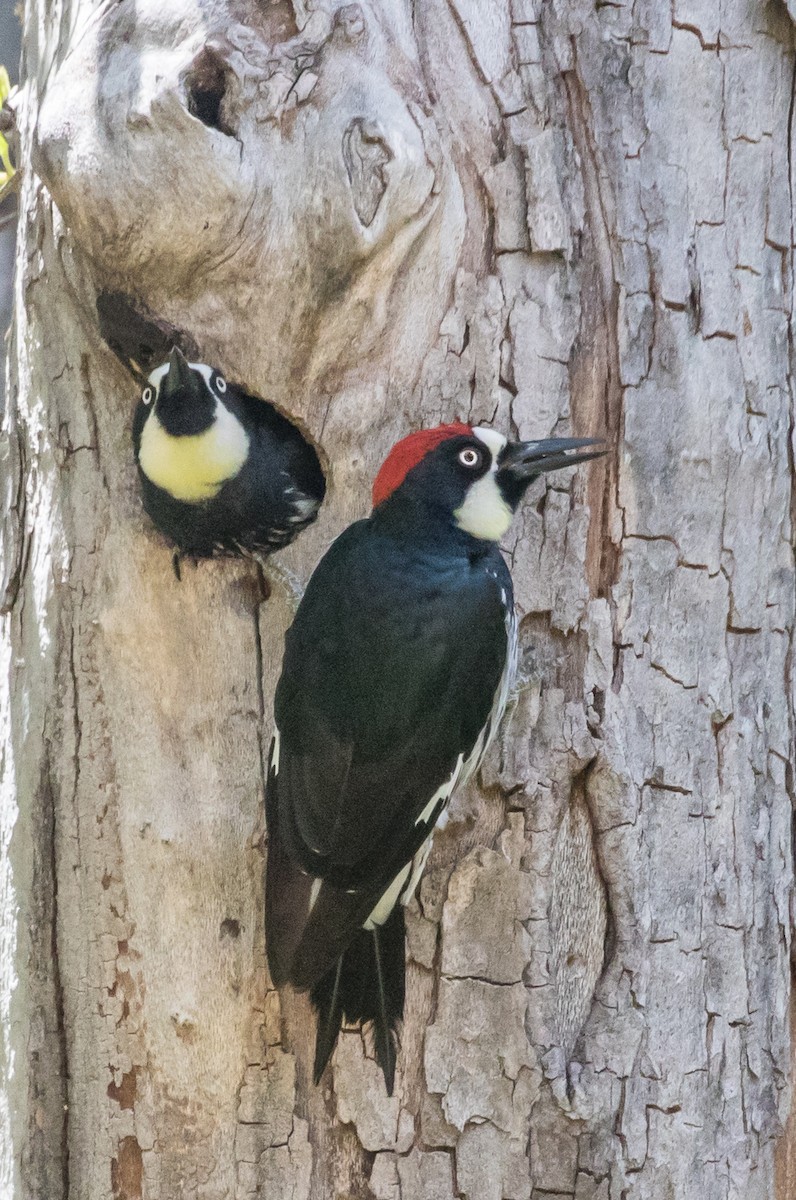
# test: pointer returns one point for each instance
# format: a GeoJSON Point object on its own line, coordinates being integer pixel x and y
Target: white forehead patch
{"type": "Point", "coordinates": [159, 373]}
{"type": "Point", "coordinates": [494, 441]}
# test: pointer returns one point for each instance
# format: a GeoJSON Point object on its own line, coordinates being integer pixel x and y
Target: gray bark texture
{"type": "Point", "coordinates": [553, 217]}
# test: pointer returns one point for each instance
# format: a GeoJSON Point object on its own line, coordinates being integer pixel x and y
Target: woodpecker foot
{"type": "Point", "coordinates": [290, 583]}
{"type": "Point", "coordinates": [177, 559]}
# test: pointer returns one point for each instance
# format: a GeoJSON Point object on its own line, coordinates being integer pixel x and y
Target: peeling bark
{"type": "Point", "coordinates": [550, 217]}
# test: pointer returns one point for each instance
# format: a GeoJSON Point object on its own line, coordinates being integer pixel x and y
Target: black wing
{"type": "Point", "coordinates": [285, 452]}
{"type": "Point", "coordinates": [389, 677]}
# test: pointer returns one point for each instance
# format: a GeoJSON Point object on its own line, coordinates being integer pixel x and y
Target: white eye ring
{"type": "Point", "coordinates": [469, 457]}
{"type": "Point", "coordinates": [221, 384]}
{"type": "Point", "coordinates": [148, 395]}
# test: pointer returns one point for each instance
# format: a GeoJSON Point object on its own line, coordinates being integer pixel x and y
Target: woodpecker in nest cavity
{"type": "Point", "coordinates": [222, 472]}
{"type": "Point", "coordinates": [395, 676]}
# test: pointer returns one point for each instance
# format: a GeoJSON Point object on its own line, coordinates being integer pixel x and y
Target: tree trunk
{"type": "Point", "coordinates": [9, 57]}
{"type": "Point", "coordinates": [554, 218]}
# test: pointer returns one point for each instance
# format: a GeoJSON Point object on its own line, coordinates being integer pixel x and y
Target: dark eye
{"type": "Point", "coordinates": [221, 384]}
{"type": "Point", "coordinates": [469, 457]}
{"type": "Point", "coordinates": [148, 395]}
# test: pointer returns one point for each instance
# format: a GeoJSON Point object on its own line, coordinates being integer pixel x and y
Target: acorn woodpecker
{"type": "Point", "coordinates": [222, 472]}
{"type": "Point", "coordinates": [395, 675]}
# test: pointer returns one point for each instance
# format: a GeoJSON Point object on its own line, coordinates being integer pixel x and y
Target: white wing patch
{"type": "Point", "coordinates": [442, 793]}
{"type": "Point", "coordinates": [315, 892]}
{"type": "Point", "coordinates": [418, 866]}
{"type": "Point", "coordinates": [405, 882]}
{"type": "Point", "coordinates": [274, 764]}
{"type": "Point", "coordinates": [486, 735]}
{"type": "Point", "coordinates": [388, 900]}
{"type": "Point", "coordinates": [414, 869]}
{"type": "Point", "coordinates": [303, 506]}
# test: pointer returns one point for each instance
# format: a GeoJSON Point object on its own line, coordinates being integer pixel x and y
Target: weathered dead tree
{"type": "Point", "coordinates": [554, 217]}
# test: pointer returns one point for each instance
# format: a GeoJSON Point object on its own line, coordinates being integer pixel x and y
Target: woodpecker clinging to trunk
{"type": "Point", "coordinates": [222, 472]}
{"type": "Point", "coordinates": [395, 676]}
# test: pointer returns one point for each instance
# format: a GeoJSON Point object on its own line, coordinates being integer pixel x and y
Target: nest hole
{"type": "Point", "coordinates": [206, 88]}
{"type": "Point", "coordinates": [137, 337]}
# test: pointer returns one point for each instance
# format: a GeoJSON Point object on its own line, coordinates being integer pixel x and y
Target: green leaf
{"type": "Point", "coordinates": [9, 186]}
{"type": "Point", "coordinates": [8, 170]}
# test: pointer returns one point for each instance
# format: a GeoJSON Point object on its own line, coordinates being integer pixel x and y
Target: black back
{"type": "Point", "coordinates": [389, 675]}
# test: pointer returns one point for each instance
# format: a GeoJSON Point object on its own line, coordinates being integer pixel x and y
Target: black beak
{"type": "Point", "coordinates": [521, 462]}
{"type": "Point", "coordinates": [525, 460]}
{"type": "Point", "coordinates": [179, 376]}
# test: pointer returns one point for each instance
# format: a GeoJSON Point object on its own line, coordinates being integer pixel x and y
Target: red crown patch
{"type": "Point", "coordinates": [408, 453]}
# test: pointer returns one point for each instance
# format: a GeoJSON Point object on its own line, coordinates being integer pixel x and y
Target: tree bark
{"type": "Point", "coordinates": [9, 57]}
{"type": "Point", "coordinates": [552, 218]}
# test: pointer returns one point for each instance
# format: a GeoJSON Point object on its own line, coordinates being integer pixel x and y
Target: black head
{"type": "Point", "coordinates": [184, 395]}
{"type": "Point", "coordinates": [475, 476]}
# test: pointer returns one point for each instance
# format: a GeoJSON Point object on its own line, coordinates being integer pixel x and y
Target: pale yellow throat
{"type": "Point", "coordinates": [193, 468]}
{"type": "Point", "coordinates": [485, 514]}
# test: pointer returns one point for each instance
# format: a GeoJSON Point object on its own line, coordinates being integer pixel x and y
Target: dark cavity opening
{"type": "Point", "coordinates": [206, 87]}
{"type": "Point", "coordinates": [230, 928]}
{"type": "Point", "coordinates": [139, 338]}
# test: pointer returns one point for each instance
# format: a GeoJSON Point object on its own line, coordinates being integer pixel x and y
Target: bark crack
{"type": "Point", "coordinates": [601, 548]}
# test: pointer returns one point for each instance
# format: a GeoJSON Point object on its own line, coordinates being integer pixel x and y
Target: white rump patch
{"type": "Point", "coordinates": [485, 514]}
{"type": "Point", "coordinates": [195, 467]}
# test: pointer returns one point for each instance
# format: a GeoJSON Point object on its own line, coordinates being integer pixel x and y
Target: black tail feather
{"type": "Point", "coordinates": [367, 984]}
{"type": "Point", "coordinates": [330, 1017]}
{"type": "Point", "coordinates": [382, 1028]}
